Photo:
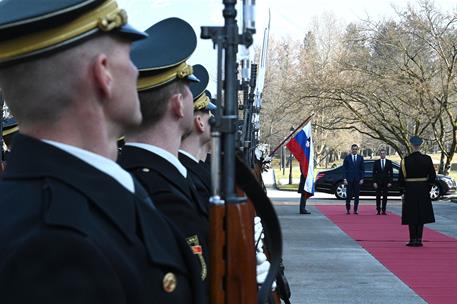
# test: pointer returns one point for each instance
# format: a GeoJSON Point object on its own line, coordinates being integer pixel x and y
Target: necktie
{"type": "Point", "coordinates": [353, 159]}
{"type": "Point", "coordinates": [382, 164]}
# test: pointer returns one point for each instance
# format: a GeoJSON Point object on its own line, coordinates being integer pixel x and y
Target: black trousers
{"type": "Point", "coordinates": [303, 202]}
{"type": "Point", "coordinates": [352, 191]}
{"type": "Point", "coordinates": [415, 231]}
{"type": "Point", "coordinates": [381, 192]}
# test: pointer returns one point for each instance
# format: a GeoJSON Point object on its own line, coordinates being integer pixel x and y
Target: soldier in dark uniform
{"type": "Point", "coordinates": [193, 145]}
{"type": "Point", "coordinates": [416, 176]}
{"type": "Point", "coordinates": [151, 151]}
{"type": "Point", "coordinates": [74, 226]}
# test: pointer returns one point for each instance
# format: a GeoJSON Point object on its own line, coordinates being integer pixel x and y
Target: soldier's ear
{"type": "Point", "coordinates": [177, 104]}
{"type": "Point", "coordinates": [199, 125]}
{"type": "Point", "coordinates": [102, 75]}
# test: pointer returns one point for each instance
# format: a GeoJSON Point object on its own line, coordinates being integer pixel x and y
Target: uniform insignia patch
{"type": "Point", "coordinates": [197, 249]}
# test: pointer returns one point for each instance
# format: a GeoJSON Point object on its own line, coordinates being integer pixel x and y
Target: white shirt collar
{"type": "Point", "coordinates": [101, 163]}
{"type": "Point", "coordinates": [162, 153]}
{"type": "Point", "coordinates": [189, 155]}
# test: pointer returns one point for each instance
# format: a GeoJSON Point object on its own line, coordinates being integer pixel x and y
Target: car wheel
{"type": "Point", "coordinates": [340, 191]}
{"type": "Point", "coordinates": [435, 192]}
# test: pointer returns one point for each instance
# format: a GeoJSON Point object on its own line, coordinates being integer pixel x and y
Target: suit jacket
{"type": "Point", "coordinates": [383, 176]}
{"type": "Point", "coordinates": [69, 233]}
{"type": "Point", "coordinates": [173, 195]}
{"type": "Point", "coordinates": [201, 178]}
{"type": "Point", "coordinates": [417, 206]}
{"type": "Point", "coordinates": [353, 172]}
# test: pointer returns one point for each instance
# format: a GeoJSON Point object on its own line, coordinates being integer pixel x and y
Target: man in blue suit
{"type": "Point", "coordinates": [354, 172]}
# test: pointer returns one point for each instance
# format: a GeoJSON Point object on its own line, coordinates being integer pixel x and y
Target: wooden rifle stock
{"type": "Point", "coordinates": [232, 254]}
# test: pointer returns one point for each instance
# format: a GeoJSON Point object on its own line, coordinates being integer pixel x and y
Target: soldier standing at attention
{"type": "Point", "coordinates": [74, 226]}
{"type": "Point", "coordinates": [416, 175]}
{"type": "Point", "coordinates": [194, 145]}
{"type": "Point", "coordinates": [151, 150]}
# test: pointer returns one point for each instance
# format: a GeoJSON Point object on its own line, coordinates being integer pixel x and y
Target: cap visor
{"type": "Point", "coordinates": [132, 33]}
{"type": "Point", "coordinates": [193, 78]}
{"type": "Point", "coordinates": [211, 106]}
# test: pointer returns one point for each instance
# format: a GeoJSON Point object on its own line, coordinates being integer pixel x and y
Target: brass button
{"type": "Point", "coordinates": [169, 282]}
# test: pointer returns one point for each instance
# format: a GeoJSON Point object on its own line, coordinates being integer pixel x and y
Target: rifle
{"type": "Point", "coordinates": [232, 261]}
{"type": "Point", "coordinates": [248, 143]}
{"type": "Point", "coordinates": [2, 152]}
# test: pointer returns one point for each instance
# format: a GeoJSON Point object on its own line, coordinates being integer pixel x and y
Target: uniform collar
{"type": "Point", "coordinates": [162, 153]}
{"type": "Point", "coordinates": [189, 155]}
{"type": "Point", "coordinates": [103, 164]}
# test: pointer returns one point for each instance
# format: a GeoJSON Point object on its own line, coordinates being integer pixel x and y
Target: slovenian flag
{"type": "Point", "coordinates": [301, 146]}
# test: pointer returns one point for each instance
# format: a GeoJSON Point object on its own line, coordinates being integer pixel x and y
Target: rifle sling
{"type": "Point", "coordinates": [265, 210]}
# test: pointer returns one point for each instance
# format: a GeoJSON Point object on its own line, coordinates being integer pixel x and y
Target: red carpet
{"type": "Point", "coordinates": [431, 271]}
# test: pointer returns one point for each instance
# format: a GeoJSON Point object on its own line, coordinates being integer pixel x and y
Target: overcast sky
{"type": "Point", "coordinates": [289, 18]}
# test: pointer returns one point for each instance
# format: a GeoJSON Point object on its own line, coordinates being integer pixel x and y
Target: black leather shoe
{"type": "Point", "coordinates": [347, 212]}
{"type": "Point", "coordinates": [383, 213]}
{"type": "Point", "coordinates": [411, 243]}
{"type": "Point", "coordinates": [378, 213]}
{"type": "Point", "coordinates": [418, 243]}
{"type": "Point", "coordinates": [355, 212]}
{"type": "Point", "coordinates": [304, 212]}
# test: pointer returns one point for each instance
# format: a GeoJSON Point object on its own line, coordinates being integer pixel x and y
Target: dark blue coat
{"type": "Point", "coordinates": [353, 172]}
{"type": "Point", "coordinates": [417, 206]}
{"type": "Point", "coordinates": [174, 196]}
{"type": "Point", "coordinates": [201, 176]}
{"type": "Point", "coordinates": [71, 234]}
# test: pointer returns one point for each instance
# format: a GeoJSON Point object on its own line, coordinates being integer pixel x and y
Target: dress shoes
{"type": "Point", "coordinates": [378, 213]}
{"type": "Point", "coordinates": [355, 212]}
{"type": "Point", "coordinates": [304, 212]}
{"type": "Point", "coordinates": [383, 213]}
{"type": "Point", "coordinates": [347, 212]}
{"type": "Point", "coordinates": [415, 243]}
{"type": "Point", "coordinates": [411, 243]}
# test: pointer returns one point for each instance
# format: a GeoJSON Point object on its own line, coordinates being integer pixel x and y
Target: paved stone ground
{"type": "Point", "coordinates": [324, 265]}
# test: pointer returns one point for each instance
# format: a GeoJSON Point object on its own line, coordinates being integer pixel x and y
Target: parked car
{"type": "Point", "coordinates": [331, 181]}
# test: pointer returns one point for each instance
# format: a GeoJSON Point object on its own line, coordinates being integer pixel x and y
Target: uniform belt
{"type": "Point", "coordinates": [416, 179]}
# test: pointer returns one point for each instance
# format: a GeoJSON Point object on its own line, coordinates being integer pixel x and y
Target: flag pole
{"type": "Point", "coordinates": [291, 133]}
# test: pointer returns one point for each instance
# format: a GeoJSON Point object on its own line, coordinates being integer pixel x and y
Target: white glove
{"type": "Point", "coordinates": [263, 265]}
{"type": "Point", "coordinates": [258, 232]}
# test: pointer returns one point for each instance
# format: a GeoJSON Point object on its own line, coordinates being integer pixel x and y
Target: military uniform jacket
{"type": "Point", "coordinates": [71, 234]}
{"type": "Point", "coordinates": [417, 206]}
{"type": "Point", "coordinates": [173, 195]}
{"type": "Point", "coordinates": [201, 178]}
{"type": "Point", "coordinates": [383, 176]}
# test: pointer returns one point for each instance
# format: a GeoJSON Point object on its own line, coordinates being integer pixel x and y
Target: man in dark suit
{"type": "Point", "coordinates": [74, 226]}
{"type": "Point", "coordinates": [151, 151]}
{"type": "Point", "coordinates": [416, 177]}
{"type": "Point", "coordinates": [354, 172]}
{"type": "Point", "coordinates": [382, 180]}
{"type": "Point", "coordinates": [193, 145]}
